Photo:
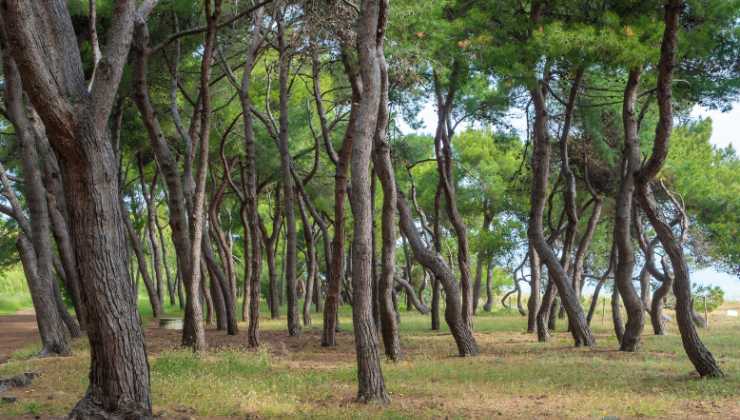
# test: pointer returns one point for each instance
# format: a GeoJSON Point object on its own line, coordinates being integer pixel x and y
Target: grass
{"type": "Point", "coordinates": [513, 377]}
{"type": "Point", "coordinates": [14, 294]}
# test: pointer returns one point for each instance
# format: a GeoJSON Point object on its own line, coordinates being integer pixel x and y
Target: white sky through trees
{"type": "Point", "coordinates": [725, 131]}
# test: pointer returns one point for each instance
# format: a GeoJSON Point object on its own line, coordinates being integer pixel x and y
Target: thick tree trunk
{"type": "Point", "coordinates": [370, 31]}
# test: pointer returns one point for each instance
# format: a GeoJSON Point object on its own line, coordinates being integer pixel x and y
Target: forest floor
{"type": "Point", "coordinates": [18, 331]}
{"type": "Point", "coordinates": [514, 377]}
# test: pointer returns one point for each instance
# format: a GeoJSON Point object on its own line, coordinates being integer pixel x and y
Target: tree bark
{"type": "Point", "coordinates": [370, 32]}
{"type": "Point", "coordinates": [556, 273]}
{"type": "Point", "coordinates": [35, 249]}
{"type": "Point", "coordinates": [487, 218]}
{"type": "Point", "coordinates": [533, 304]}
{"type": "Point", "coordinates": [434, 262]}
{"type": "Point", "coordinates": [622, 218]}
{"type": "Point", "coordinates": [384, 169]}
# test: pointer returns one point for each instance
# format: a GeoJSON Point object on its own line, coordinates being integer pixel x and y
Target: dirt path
{"type": "Point", "coordinates": [16, 331]}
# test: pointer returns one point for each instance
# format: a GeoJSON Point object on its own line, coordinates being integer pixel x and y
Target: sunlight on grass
{"type": "Point", "coordinates": [514, 376]}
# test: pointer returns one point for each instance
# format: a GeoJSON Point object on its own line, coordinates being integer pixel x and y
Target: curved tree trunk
{"type": "Point", "coordinates": [384, 169]}
{"type": "Point", "coordinates": [622, 218]}
{"type": "Point", "coordinates": [556, 273]}
{"type": "Point", "coordinates": [434, 262]}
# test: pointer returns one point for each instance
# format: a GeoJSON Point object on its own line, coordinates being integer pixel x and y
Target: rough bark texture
{"type": "Point", "coordinates": [622, 217]}
{"type": "Point", "coordinates": [556, 273]}
{"type": "Point", "coordinates": [34, 244]}
{"type": "Point", "coordinates": [384, 169]}
{"type": "Point", "coordinates": [46, 52]}
{"type": "Point", "coordinates": [331, 305]}
{"type": "Point", "coordinates": [370, 29]}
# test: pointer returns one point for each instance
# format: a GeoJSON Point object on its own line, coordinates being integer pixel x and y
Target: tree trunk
{"type": "Point", "coordinates": [556, 273]}
{"type": "Point", "coordinates": [331, 305]}
{"type": "Point", "coordinates": [311, 264]}
{"type": "Point", "coordinates": [622, 218]}
{"type": "Point", "coordinates": [384, 169]}
{"type": "Point", "coordinates": [141, 262]}
{"type": "Point", "coordinates": [294, 326]}
{"type": "Point", "coordinates": [151, 211]}
{"type": "Point", "coordinates": [479, 263]}
{"type": "Point", "coordinates": [617, 315]}
{"type": "Point", "coordinates": [533, 304]}
{"type": "Point", "coordinates": [370, 32]}
{"type": "Point", "coordinates": [435, 263]}
{"type": "Point", "coordinates": [176, 190]}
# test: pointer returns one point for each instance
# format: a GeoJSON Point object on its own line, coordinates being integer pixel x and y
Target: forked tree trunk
{"type": "Point", "coordinates": [370, 32]}
{"type": "Point", "coordinates": [622, 217]}
{"type": "Point", "coordinates": [557, 276]}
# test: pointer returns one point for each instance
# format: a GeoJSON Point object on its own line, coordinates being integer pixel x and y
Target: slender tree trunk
{"type": "Point", "coordinates": [487, 218]}
{"type": "Point", "coordinates": [141, 260]}
{"type": "Point", "coordinates": [556, 273]}
{"type": "Point", "coordinates": [622, 218]}
{"type": "Point", "coordinates": [617, 315]}
{"type": "Point", "coordinates": [331, 305]}
{"type": "Point", "coordinates": [176, 188]}
{"type": "Point", "coordinates": [151, 211]}
{"type": "Point", "coordinates": [433, 261]}
{"type": "Point", "coordinates": [294, 326]}
{"type": "Point", "coordinates": [533, 304]}
{"type": "Point", "coordinates": [311, 264]}
{"type": "Point", "coordinates": [489, 285]}
{"type": "Point", "coordinates": [700, 356]}
{"type": "Point", "coordinates": [384, 169]}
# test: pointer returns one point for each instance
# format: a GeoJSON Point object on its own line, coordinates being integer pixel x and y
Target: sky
{"type": "Point", "coordinates": [725, 131]}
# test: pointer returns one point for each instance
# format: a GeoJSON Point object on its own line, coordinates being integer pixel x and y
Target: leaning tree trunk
{"type": "Point", "coordinates": [556, 274]}
{"type": "Point", "coordinates": [697, 352]}
{"type": "Point", "coordinates": [176, 187]}
{"type": "Point", "coordinates": [434, 262]}
{"type": "Point", "coordinates": [141, 262]}
{"type": "Point", "coordinates": [342, 161]}
{"type": "Point", "coordinates": [35, 249]}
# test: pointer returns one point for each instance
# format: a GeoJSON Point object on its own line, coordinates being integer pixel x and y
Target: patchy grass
{"type": "Point", "coordinates": [513, 377]}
